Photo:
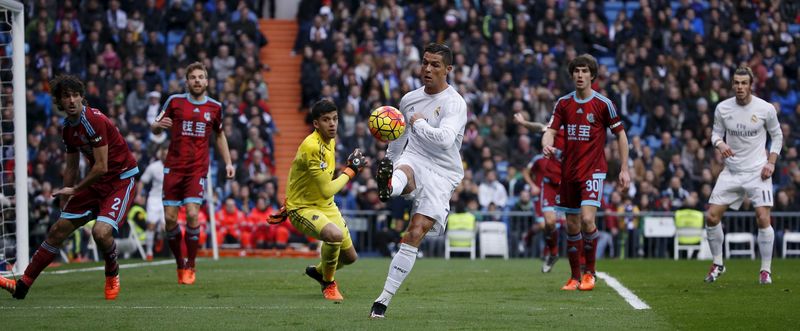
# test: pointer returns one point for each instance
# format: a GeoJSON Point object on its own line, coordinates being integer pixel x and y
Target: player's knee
{"type": "Point", "coordinates": [332, 235]}
{"type": "Point", "coordinates": [57, 234]}
{"type": "Point", "coordinates": [712, 218]}
{"type": "Point", "coordinates": [101, 232]}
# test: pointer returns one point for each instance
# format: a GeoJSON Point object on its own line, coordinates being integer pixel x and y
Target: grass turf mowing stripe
{"type": "Point", "coordinates": [121, 266]}
{"type": "Point", "coordinates": [623, 291]}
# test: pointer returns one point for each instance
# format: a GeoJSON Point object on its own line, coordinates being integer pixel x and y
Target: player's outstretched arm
{"type": "Point", "coordinates": [328, 187]}
{"type": "Point", "coordinates": [533, 126]}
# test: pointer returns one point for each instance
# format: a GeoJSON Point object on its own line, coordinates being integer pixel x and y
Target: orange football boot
{"type": "Point", "coordinates": [331, 292]}
{"type": "Point", "coordinates": [587, 282]}
{"type": "Point", "coordinates": [112, 287]}
{"type": "Point", "coordinates": [571, 285]}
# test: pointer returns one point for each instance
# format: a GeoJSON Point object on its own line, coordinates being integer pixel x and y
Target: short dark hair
{"type": "Point", "coordinates": [66, 83]}
{"type": "Point", "coordinates": [322, 107]}
{"type": "Point", "coordinates": [584, 60]}
{"type": "Point", "coordinates": [196, 66]}
{"type": "Point", "coordinates": [744, 71]}
{"type": "Point", "coordinates": [441, 49]}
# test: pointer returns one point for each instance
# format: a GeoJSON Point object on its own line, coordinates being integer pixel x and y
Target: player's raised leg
{"type": "Point", "coordinates": [393, 182]}
{"type": "Point", "coordinates": [715, 240]}
{"type": "Point", "coordinates": [766, 241]}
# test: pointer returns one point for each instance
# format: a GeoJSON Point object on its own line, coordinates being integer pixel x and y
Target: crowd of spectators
{"type": "Point", "coordinates": [131, 57]}
{"type": "Point", "coordinates": [664, 64]}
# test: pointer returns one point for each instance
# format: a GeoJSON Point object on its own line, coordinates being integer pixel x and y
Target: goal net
{"type": "Point", "coordinates": [13, 158]}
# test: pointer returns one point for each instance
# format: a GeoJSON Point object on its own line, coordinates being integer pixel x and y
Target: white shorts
{"type": "Point", "coordinates": [432, 195]}
{"type": "Point", "coordinates": [155, 211]}
{"type": "Point", "coordinates": [731, 188]}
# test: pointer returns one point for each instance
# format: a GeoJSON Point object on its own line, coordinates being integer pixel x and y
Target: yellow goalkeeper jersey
{"type": "Point", "coordinates": [311, 182]}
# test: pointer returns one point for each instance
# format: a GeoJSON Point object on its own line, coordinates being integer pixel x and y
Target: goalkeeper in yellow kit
{"type": "Point", "coordinates": [309, 197]}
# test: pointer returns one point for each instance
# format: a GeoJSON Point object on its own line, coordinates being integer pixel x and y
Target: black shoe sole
{"type": "Point", "coordinates": [21, 290]}
{"type": "Point", "coordinates": [378, 311]}
{"type": "Point", "coordinates": [384, 178]}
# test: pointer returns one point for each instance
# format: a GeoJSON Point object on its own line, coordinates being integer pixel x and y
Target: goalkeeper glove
{"type": "Point", "coordinates": [355, 162]}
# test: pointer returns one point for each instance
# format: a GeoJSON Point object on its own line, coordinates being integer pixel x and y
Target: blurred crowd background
{"type": "Point", "coordinates": [664, 64]}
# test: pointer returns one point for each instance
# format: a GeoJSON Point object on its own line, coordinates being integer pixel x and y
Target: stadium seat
{"type": "Point", "coordinates": [790, 237]}
{"type": "Point", "coordinates": [493, 239]}
{"type": "Point", "coordinates": [740, 238]}
{"type": "Point", "coordinates": [689, 234]}
{"type": "Point", "coordinates": [460, 235]}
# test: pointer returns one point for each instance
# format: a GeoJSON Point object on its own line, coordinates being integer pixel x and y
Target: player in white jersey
{"type": "Point", "coordinates": [423, 165]}
{"type": "Point", "coordinates": [740, 135]}
{"type": "Point", "coordinates": [154, 176]}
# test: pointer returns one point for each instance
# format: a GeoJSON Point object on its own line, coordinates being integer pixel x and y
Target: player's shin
{"type": "Point", "coordinates": [715, 238]}
{"type": "Point", "coordinates": [401, 266]}
{"type": "Point", "coordinates": [149, 238]}
{"type": "Point", "coordinates": [766, 241]}
{"type": "Point", "coordinates": [330, 257]}
{"type": "Point", "coordinates": [175, 237]}
{"type": "Point", "coordinates": [574, 249]}
{"type": "Point", "coordinates": [192, 243]}
{"type": "Point", "coordinates": [41, 259]}
{"type": "Point", "coordinates": [590, 249]}
{"type": "Point", "coordinates": [110, 256]}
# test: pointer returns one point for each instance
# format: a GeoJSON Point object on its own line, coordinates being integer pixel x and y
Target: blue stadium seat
{"type": "Point", "coordinates": [631, 7]}
{"type": "Point", "coordinates": [794, 29]}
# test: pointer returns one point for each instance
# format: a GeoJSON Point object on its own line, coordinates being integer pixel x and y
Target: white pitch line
{"type": "Point", "coordinates": [623, 291]}
{"type": "Point", "coordinates": [121, 266]}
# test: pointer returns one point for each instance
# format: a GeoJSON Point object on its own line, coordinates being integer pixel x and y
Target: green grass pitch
{"type": "Point", "coordinates": [274, 294]}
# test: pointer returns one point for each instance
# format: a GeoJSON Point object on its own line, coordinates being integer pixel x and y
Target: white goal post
{"type": "Point", "coordinates": [13, 11]}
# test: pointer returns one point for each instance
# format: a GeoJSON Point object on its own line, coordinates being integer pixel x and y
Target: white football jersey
{"type": "Point", "coordinates": [154, 175]}
{"type": "Point", "coordinates": [745, 131]}
{"type": "Point", "coordinates": [438, 137]}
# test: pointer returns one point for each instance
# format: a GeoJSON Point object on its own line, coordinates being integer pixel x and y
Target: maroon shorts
{"type": "Point", "coordinates": [573, 195]}
{"type": "Point", "coordinates": [180, 189]}
{"type": "Point", "coordinates": [108, 202]}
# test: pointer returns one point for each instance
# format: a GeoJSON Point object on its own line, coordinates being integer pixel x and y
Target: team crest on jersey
{"type": "Point", "coordinates": [590, 117]}
{"type": "Point", "coordinates": [207, 116]}
{"type": "Point", "coordinates": [580, 110]}
{"type": "Point", "coordinates": [323, 165]}
{"type": "Point", "coordinates": [436, 111]}
{"type": "Point", "coordinates": [754, 119]}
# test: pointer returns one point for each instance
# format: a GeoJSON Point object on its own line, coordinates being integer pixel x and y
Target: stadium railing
{"type": "Point", "coordinates": [630, 240]}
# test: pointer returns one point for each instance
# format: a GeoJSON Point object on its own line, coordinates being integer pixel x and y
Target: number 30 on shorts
{"type": "Point", "coordinates": [593, 185]}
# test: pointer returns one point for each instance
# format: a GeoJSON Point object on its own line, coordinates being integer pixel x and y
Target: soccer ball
{"type": "Point", "coordinates": [386, 123]}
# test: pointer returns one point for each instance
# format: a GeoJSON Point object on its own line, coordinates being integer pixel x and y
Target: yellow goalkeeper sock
{"type": "Point", "coordinates": [329, 259]}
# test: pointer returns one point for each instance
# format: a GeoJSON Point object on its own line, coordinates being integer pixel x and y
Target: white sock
{"type": "Point", "coordinates": [715, 239]}
{"type": "Point", "coordinates": [401, 265]}
{"type": "Point", "coordinates": [766, 240]}
{"type": "Point", "coordinates": [149, 237]}
{"type": "Point", "coordinates": [399, 181]}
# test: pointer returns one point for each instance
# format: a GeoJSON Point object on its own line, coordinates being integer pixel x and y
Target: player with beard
{"type": "Point", "coordinates": [190, 119]}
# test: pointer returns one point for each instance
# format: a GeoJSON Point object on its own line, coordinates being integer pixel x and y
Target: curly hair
{"type": "Point", "coordinates": [66, 83]}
